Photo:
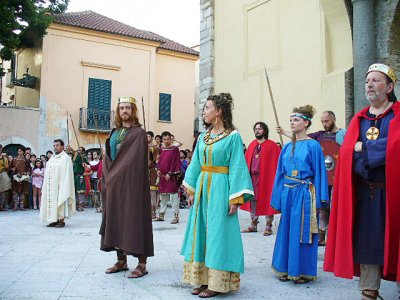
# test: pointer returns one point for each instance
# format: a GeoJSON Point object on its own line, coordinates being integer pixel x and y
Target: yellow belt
{"type": "Point", "coordinates": [215, 169]}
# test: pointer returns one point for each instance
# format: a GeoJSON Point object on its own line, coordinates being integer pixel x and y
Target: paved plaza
{"type": "Point", "coordinates": [37, 262]}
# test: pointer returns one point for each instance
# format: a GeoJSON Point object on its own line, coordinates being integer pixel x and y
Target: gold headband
{"type": "Point", "coordinates": [127, 100]}
{"type": "Point", "coordinates": [385, 70]}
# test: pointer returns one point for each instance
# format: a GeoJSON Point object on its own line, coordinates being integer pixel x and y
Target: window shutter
{"type": "Point", "coordinates": [165, 107]}
{"type": "Point", "coordinates": [99, 103]}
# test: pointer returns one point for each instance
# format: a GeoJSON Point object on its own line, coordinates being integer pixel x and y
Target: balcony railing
{"type": "Point", "coordinates": [91, 120]}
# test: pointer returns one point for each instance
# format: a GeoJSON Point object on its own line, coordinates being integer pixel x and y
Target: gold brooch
{"type": "Point", "coordinates": [372, 133]}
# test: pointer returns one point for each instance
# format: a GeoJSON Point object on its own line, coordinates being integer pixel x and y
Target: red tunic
{"type": "Point", "coordinates": [269, 156]}
{"type": "Point", "coordinates": [339, 248]}
{"type": "Point", "coordinates": [169, 163]}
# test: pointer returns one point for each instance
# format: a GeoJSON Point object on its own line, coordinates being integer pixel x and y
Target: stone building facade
{"type": "Point", "coordinates": [353, 33]}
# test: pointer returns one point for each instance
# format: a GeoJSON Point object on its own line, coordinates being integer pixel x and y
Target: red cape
{"type": "Point", "coordinates": [339, 248]}
{"type": "Point", "coordinates": [268, 162]}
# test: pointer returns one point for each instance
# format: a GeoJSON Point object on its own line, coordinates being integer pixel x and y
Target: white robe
{"type": "Point", "coordinates": [58, 191]}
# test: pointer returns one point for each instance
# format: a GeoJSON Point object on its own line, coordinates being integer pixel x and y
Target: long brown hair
{"type": "Point", "coordinates": [133, 119]}
{"type": "Point", "coordinates": [224, 102]}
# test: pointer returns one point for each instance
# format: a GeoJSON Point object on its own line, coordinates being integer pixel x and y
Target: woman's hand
{"type": "Point", "coordinates": [190, 200]}
{"type": "Point", "coordinates": [232, 209]}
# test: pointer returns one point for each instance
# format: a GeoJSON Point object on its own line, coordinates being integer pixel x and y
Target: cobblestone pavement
{"type": "Point", "coordinates": [37, 262]}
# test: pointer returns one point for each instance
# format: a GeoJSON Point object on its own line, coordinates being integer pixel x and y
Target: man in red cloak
{"type": "Point", "coordinates": [364, 230]}
{"type": "Point", "coordinates": [262, 158]}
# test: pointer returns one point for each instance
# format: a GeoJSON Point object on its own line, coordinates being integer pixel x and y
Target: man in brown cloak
{"type": "Point", "coordinates": [126, 221]}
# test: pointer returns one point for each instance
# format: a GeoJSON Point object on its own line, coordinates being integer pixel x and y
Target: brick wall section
{"type": "Point", "coordinates": [387, 26]}
{"type": "Point", "coordinates": [388, 34]}
{"type": "Point", "coordinates": [349, 95]}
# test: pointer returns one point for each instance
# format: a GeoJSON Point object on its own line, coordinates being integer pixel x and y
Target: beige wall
{"type": "Point", "coordinates": [176, 76]}
{"type": "Point", "coordinates": [19, 126]}
{"type": "Point", "coordinates": [305, 46]}
{"type": "Point", "coordinates": [71, 56]}
{"type": "Point", "coordinates": [28, 58]}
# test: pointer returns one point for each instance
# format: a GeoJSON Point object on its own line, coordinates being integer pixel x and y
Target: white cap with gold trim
{"type": "Point", "coordinates": [127, 100]}
{"type": "Point", "coordinates": [383, 69]}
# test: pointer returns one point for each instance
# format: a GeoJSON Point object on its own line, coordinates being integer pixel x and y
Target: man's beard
{"type": "Point", "coordinates": [125, 117]}
{"type": "Point", "coordinates": [259, 137]}
{"type": "Point", "coordinates": [329, 128]}
{"type": "Point", "coordinates": [376, 97]}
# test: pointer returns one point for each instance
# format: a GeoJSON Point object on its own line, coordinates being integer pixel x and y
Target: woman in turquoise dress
{"type": "Point", "coordinates": [217, 181]}
{"type": "Point", "coordinates": [300, 190]}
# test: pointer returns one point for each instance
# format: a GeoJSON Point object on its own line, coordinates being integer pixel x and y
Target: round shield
{"type": "Point", "coordinates": [331, 151]}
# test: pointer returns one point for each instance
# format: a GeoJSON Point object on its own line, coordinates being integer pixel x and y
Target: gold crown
{"type": "Point", "coordinates": [385, 70]}
{"type": "Point", "coordinates": [127, 100]}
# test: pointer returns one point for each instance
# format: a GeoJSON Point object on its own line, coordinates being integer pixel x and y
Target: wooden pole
{"type": "Point", "coordinates": [67, 130]}
{"type": "Point", "coordinates": [144, 118]}
{"type": "Point", "coordinates": [97, 128]}
{"type": "Point", "coordinates": [273, 104]}
{"type": "Point", "coordinates": [76, 137]}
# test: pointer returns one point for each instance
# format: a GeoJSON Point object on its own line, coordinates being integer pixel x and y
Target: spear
{"type": "Point", "coordinates": [273, 103]}
{"type": "Point", "coordinates": [144, 119]}
{"type": "Point", "coordinates": [67, 130]}
{"type": "Point", "coordinates": [97, 128]}
{"type": "Point", "coordinates": [76, 137]}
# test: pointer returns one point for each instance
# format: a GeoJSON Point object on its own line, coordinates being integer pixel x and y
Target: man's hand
{"type": "Point", "coordinates": [284, 132]}
{"type": "Point", "coordinates": [232, 209]}
{"type": "Point", "coordinates": [167, 177]}
{"type": "Point", "coordinates": [358, 147]}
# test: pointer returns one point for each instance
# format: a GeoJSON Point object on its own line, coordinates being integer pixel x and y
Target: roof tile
{"type": "Point", "coordinates": [94, 21]}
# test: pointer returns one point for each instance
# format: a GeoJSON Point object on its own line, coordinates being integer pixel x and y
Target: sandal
{"type": "Point", "coordinates": [207, 293]}
{"type": "Point", "coordinates": [198, 290]}
{"type": "Point", "coordinates": [283, 278]}
{"type": "Point", "coordinates": [371, 294]}
{"type": "Point", "coordinates": [302, 280]}
{"type": "Point", "coordinates": [249, 229]}
{"type": "Point", "coordinates": [138, 272]}
{"type": "Point", "coordinates": [118, 267]}
{"type": "Point", "coordinates": [267, 232]}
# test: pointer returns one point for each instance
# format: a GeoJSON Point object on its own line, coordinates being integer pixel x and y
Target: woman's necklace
{"type": "Point", "coordinates": [295, 171]}
{"type": "Point", "coordinates": [208, 140]}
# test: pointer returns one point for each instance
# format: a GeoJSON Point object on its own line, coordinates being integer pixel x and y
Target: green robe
{"type": "Point", "coordinates": [212, 236]}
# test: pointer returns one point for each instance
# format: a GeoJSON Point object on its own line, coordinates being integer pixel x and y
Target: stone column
{"type": "Point", "coordinates": [364, 47]}
{"type": "Point", "coordinates": [206, 65]}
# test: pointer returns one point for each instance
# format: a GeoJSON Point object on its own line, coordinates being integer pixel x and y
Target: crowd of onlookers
{"type": "Point", "coordinates": [20, 187]}
{"type": "Point", "coordinates": [21, 179]}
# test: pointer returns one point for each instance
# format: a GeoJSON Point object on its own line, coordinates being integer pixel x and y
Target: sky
{"type": "Point", "coordinates": [177, 20]}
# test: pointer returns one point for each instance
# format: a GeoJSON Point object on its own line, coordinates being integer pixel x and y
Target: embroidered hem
{"type": "Point", "coordinates": [294, 277]}
{"type": "Point", "coordinates": [196, 273]}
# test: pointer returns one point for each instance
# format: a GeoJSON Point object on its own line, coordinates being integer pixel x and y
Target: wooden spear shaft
{"type": "Point", "coordinates": [67, 130]}
{"type": "Point", "coordinates": [273, 104]}
{"type": "Point", "coordinates": [97, 128]}
{"type": "Point", "coordinates": [76, 137]}
{"type": "Point", "coordinates": [144, 118]}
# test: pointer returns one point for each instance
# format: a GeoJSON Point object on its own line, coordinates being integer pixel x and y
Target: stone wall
{"type": "Point", "coordinates": [206, 65]}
